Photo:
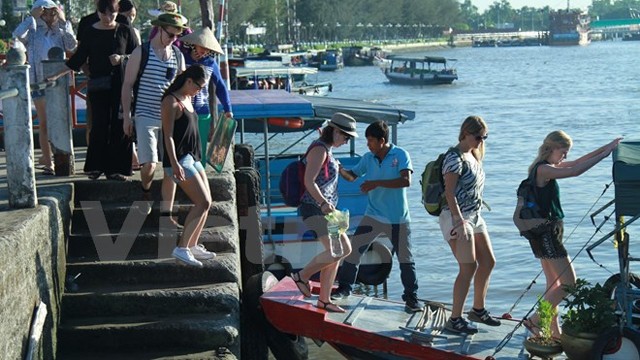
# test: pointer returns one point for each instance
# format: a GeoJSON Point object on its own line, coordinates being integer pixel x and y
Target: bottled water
{"type": "Point", "coordinates": [334, 241]}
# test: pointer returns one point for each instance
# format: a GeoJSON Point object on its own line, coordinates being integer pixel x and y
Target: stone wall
{"type": "Point", "coordinates": [32, 254]}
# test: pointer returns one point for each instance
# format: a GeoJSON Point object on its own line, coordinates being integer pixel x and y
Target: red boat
{"type": "Point", "coordinates": [374, 328]}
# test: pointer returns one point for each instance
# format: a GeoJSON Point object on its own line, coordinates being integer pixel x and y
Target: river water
{"type": "Point", "coordinates": [523, 93]}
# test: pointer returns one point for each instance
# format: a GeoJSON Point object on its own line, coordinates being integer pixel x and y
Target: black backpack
{"type": "Point", "coordinates": [528, 216]}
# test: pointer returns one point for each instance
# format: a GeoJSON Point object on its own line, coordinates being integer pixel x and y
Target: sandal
{"type": "Point", "coordinates": [117, 177]}
{"type": "Point", "coordinates": [47, 171]}
{"type": "Point", "coordinates": [94, 175]}
{"type": "Point", "coordinates": [329, 306]}
{"type": "Point", "coordinates": [303, 286]}
{"type": "Point", "coordinates": [533, 328]}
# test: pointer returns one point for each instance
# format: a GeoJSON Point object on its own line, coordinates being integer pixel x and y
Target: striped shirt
{"type": "Point", "coordinates": [470, 185]}
{"type": "Point", "coordinates": [156, 78]}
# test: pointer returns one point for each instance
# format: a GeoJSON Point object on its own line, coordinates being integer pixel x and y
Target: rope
{"type": "Point", "coordinates": [509, 335]}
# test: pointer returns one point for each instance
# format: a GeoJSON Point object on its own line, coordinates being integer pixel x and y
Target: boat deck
{"type": "Point", "coordinates": [383, 328]}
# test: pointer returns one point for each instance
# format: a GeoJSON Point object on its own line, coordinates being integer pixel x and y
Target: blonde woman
{"type": "Point", "coordinates": [464, 228]}
{"type": "Point", "coordinates": [548, 166]}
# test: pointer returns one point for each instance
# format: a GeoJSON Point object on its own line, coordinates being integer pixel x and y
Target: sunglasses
{"type": "Point", "coordinates": [483, 138]}
{"type": "Point", "coordinates": [201, 87]}
{"type": "Point", "coordinates": [170, 34]}
{"type": "Point", "coordinates": [347, 137]}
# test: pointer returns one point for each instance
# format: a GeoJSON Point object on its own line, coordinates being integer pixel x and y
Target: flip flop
{"type": "Point", "coordinates": [531, 327]}
{"type": "Point", "coordinates": [329, 306]}
{"type": "Point", "coordinates": [48, 171]}
{"type": "Point", "coordinates": [303, 286]}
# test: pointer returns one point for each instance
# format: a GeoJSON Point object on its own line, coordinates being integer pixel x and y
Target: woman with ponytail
{"type": "Point", "coordinates": [549, 165]}
{"type": "Point", "coordinates": [181, 160]}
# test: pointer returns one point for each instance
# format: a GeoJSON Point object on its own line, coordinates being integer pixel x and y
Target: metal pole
{"type": "Point", "coordinates": [223, 58]}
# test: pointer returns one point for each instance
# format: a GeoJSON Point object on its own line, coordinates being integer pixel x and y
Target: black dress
{"type": "Point", "coordinates": [109, 150]}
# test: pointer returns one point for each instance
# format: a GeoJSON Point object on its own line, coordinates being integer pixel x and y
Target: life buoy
{"type": "Point", "coordinates": [292, 123]}
{"type": "Point", "coordinates": [375, 265]}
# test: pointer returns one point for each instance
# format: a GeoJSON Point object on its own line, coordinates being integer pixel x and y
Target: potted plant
{"type": "Point", "coordinates": [590, 313]}
{"type": "Point", "coordinates": [544, 345]}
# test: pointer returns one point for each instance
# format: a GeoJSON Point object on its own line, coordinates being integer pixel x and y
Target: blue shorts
{"type": "Point", "coordinates": [190, 166]}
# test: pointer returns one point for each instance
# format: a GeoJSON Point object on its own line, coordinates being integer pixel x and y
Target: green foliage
{"type": "Point", "coordinates": [546, 313]}
{"type": "Point", "coordinates": [589, 308]}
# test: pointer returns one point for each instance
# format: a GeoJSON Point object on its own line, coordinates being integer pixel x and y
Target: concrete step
{"type": "Point", "coordinates": [196, 332]}
{"type": "Point", "coordinates": [172, 354]}
{"type": "Point", "coordinates": [93, 214]}
{"type": "Point", "coordinates": [222, 189]}
{"type": "Point", "coordinates": [90, 275]}
{"type": "Point", "coordinates": [151, 299]}
{"type": "Point", "coordinates": [146, 243]}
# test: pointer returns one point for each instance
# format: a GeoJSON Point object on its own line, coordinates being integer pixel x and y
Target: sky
{"type": "Point", "coordinates": [517, 4]}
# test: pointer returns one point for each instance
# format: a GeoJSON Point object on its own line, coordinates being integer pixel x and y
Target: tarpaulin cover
{"type": "Point", "coordinates": [626, 178]}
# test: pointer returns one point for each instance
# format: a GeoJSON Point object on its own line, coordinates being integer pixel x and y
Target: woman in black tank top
{"type": "Point", "coordinates": [552, 164]}
{"type": "Point", "coordinates": [181, 160]}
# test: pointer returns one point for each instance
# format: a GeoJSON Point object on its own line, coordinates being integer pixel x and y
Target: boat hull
{"type": "Point", "coordinates": [436, 79]}
{"type": "Point", "coordinates": [374, 328]}
{"type": "Point", "coordinates": [568, 39]}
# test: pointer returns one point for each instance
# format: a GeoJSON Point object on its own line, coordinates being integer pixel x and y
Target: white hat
{"type": "Point", "coordinates": [203, 37]}
{"type": "Point", "coordinates": [47, 4]}
{"type": "Point", "coordinates": [344, 123]}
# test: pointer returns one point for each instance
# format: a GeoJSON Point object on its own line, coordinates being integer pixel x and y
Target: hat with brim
{"type": "Point", "coordinates": [171, 19]}
{"type": "Point", "coordinates": [166, 7]}
{"type": "Point", "coordinates": [344, 123]}
{"type": "Point", "coordinates": [203, 37]}
{"type": "Point", "coordinates": [47, 4]}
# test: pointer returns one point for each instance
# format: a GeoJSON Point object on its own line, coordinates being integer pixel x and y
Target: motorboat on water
{"type": "Point", "coordinates": [292, 79]}
{"type": "Point", "coordinates": [569, 27]}
{"type": "Point", "coordinates": [327, 60]}
{"type": "Point", "coordinates": [427, 70]}
{"type": "Point", "coordinates": [361, 55]}
{"type": "Point", "coordinates": [280, 126]}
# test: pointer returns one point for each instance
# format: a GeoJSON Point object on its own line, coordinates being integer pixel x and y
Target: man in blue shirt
{"type": "Point", "coordinates": [388, 175]}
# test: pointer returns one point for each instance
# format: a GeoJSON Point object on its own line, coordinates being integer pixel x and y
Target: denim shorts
{"type": "Point", "coordinates": [473, 218]}
{"type": "Point", "coordinates": [190, 166]}
{"type": "Point", "coordinates": [314, 219]}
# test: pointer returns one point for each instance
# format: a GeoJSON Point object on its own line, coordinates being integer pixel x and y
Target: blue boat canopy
{"type": "Point", "coordinates": [261, 104]}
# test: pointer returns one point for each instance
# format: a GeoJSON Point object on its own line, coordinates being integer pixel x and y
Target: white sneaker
{"type": "Point", "coordinates": [185, 256]}
{"type": "Point", "coordinates": [201, 253]}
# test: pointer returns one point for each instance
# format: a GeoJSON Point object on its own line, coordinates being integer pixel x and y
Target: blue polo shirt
{"type": "Point", "coordinates": [384, 204]}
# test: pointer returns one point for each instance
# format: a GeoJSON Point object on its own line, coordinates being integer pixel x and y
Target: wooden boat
{"type": "Point", "coordinates": [428, 70]}
{"type": "Point", "coordinates": [287, 246]}
{"type": "Point", "coordinates": [328, 60]}
{"type": "Point", "coordinates": [569, 27]}
{"type": "Point", "coordinates": [292, 79]}
{"type": "Point", "coordinates": [374, 328]}
{"type": "Point", "coordinates": [360, 55]}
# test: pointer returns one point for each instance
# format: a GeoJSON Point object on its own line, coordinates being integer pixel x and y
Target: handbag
{"type": "Point", "coordinates": [101, 83]}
